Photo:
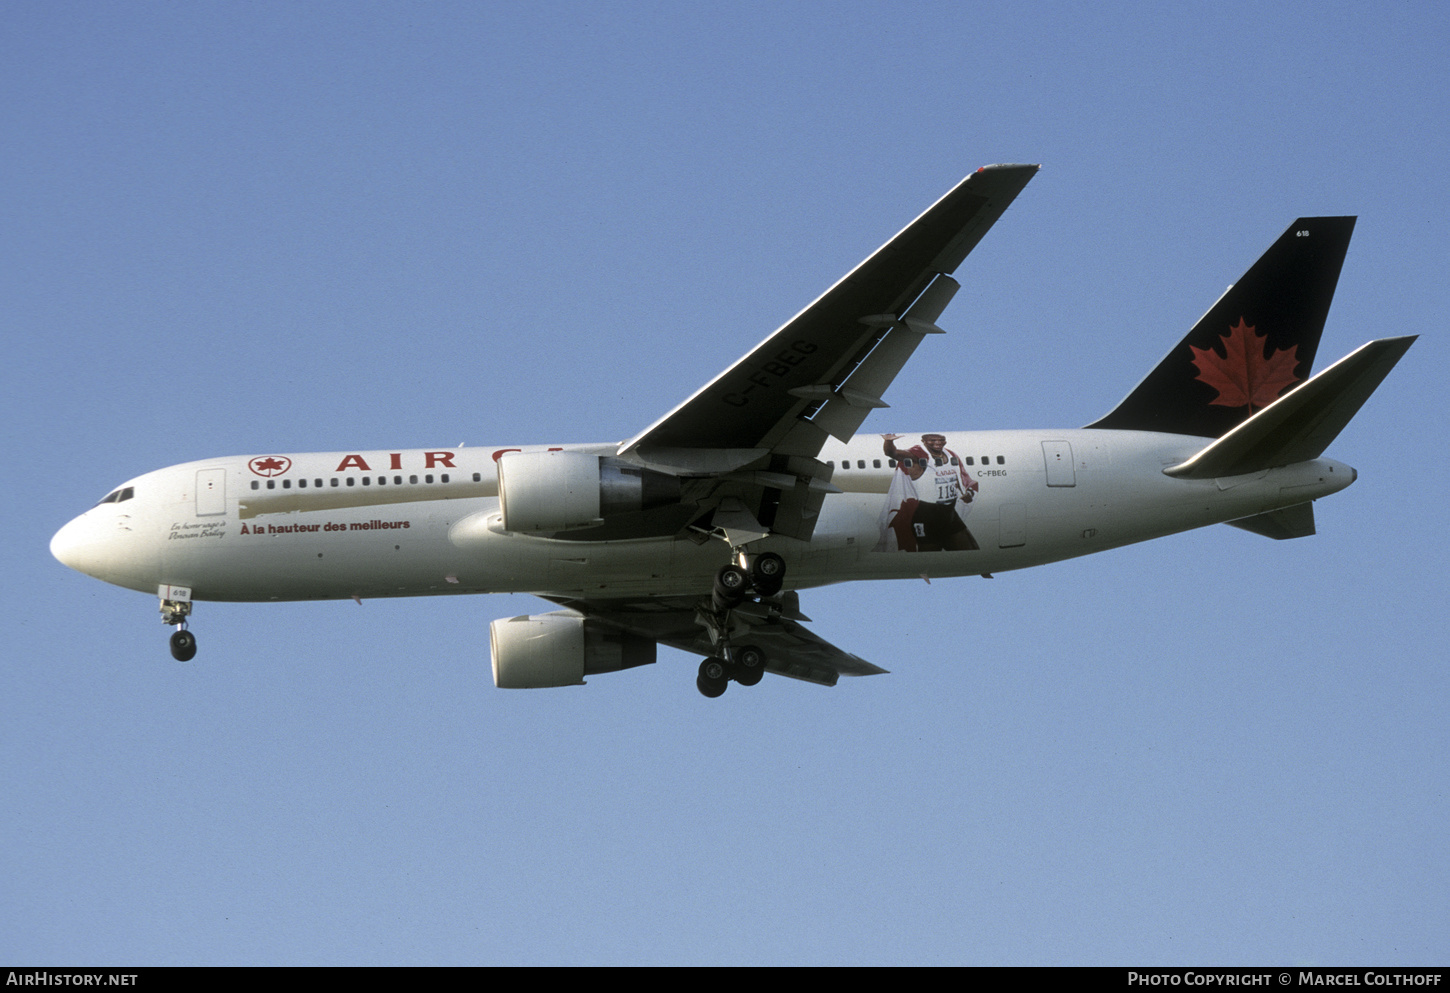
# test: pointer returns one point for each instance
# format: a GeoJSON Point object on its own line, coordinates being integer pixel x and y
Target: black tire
{"type": "Point", "coordinates": [749, 665]}
{"type": "Point", "coordinates": [712, 680]}
{"type": "Point", "coordinates": [731, 583]}
{"type": "Point", "coordinates": [767, 573]}
{"type": "Point", "coordinates": [183, 646]}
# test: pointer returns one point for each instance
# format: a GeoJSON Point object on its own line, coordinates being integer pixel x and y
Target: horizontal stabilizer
{"type": "Point", "coordinates": [1299, 426]}
{"type": "Point", "coordinates": [1291, 522]}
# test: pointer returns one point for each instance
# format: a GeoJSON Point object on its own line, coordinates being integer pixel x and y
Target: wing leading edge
{"type": "Point", "coordinates": [765, 402]}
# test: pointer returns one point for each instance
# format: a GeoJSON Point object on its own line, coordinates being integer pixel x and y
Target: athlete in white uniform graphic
{"type": "Point", "coordinates": [928, 499]}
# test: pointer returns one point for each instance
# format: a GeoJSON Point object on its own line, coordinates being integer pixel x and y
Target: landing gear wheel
{"type": "Point", "coordinates": [767, 573]}
{"type": "Point", "coordinates": [749, 665]}
{"type": "Point", "coordinates": [712, 680]}
{"type": "Point", "coordinates": [183, 646]}
{"type": "Point", "coordinates": [730, 586]}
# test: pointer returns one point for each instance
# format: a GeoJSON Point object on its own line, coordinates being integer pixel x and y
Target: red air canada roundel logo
{"type": "Point", "coordinates": [270, 465]}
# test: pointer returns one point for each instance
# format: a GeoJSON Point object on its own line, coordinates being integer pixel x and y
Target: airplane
{"type": "Point", "coordinates": [699, 532]}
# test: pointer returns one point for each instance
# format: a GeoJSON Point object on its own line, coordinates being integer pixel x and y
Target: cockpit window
{"type": "Point", "coordinates": [119, 496]}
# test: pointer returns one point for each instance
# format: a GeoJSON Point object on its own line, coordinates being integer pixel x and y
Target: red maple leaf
{"type": "Point", "coordinates": [1242, 375]}
{"type": "Point", "coordinates": [266, 464]}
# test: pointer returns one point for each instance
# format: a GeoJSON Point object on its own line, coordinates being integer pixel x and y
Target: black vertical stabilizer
{"type": "Point", "coordinates": [1257, 342]}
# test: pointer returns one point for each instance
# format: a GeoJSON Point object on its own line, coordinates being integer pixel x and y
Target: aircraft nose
{"type": "Point", "coordinates": [86, 545]}
{"type": "Point", "coordinates": [69, 545]}
{"type": "Point", "coordinates": [112, 545]}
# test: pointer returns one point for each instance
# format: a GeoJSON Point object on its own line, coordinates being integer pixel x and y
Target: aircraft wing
{"type": "Point", "coordinates": [814, 376]}
{"type": "Point", "coordinates": [776, 629]}
{"type": "Point", "coordinates": [746, 445]}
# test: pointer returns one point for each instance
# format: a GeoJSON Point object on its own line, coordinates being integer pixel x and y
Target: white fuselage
{"type": "Point", "coordinates": [425, 522]}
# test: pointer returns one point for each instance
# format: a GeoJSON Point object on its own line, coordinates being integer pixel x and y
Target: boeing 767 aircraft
{"type": "Point", "coordinates": [698, 532]}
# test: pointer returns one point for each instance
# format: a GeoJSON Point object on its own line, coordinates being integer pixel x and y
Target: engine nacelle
{"type": "Point", "coordinates": [547, 492]}
{"type": "Point", "coordinates": [560, 649]}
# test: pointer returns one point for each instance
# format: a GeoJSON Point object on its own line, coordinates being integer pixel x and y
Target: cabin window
{"type": "Point", "coordinates": [334, 481]}
{"type": "Point", "coordinates": [351, 481]}
{"type": "Point", "coordinates": [1001, 460]}
{"type": "Point", "coordinates": [271, 484]}
{"type": "Point", "coordinates": [477, 477]}
{"type": "Point", "coordinates": [397, 480]}
{"type": "Point", "coordinates": [876, 463]}
{"type": "Point", "coordinates": [428, 478]}
{"type": "Point", "coordinates": [382, 480]}
{"type": "Point", "coordinates": [443, 478]}
{"type": "Point", "coordinates": [256, 485]}
{"type": "Point", "coordinates": [286, 484]}
{"type": "Point", "coordinates": [413, 480]}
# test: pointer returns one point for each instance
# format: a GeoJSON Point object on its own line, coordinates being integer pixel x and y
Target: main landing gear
{"type": "Point", "coordinates": [747, 667]}
{"type": "Point", "coordinates": [763, 574]}
{"type": "Point", "coordinates": [175, 612]}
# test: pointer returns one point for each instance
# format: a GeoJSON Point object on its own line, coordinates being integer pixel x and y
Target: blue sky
{"type": "Point", "coordinates": [287, 227]}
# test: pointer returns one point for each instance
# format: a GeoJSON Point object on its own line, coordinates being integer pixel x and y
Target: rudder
{"type": "Point", "coordinates": [1254, 344]}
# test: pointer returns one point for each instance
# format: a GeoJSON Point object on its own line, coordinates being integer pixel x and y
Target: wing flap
{"type": "Point", "coordinates": [842, 414]}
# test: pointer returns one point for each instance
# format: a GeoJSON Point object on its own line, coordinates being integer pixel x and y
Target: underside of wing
{"type": "Point", "coordinates": [775, 628]}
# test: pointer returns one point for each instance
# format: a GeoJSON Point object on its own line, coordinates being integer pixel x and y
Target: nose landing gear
{"type": "Point", "coordinates": [175, 609]}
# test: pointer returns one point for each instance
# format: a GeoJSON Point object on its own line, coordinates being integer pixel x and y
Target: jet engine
{"type": "Point", "coordinates": [547, 492]}
{"type": "Point", "coordinates": [560, 649]}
